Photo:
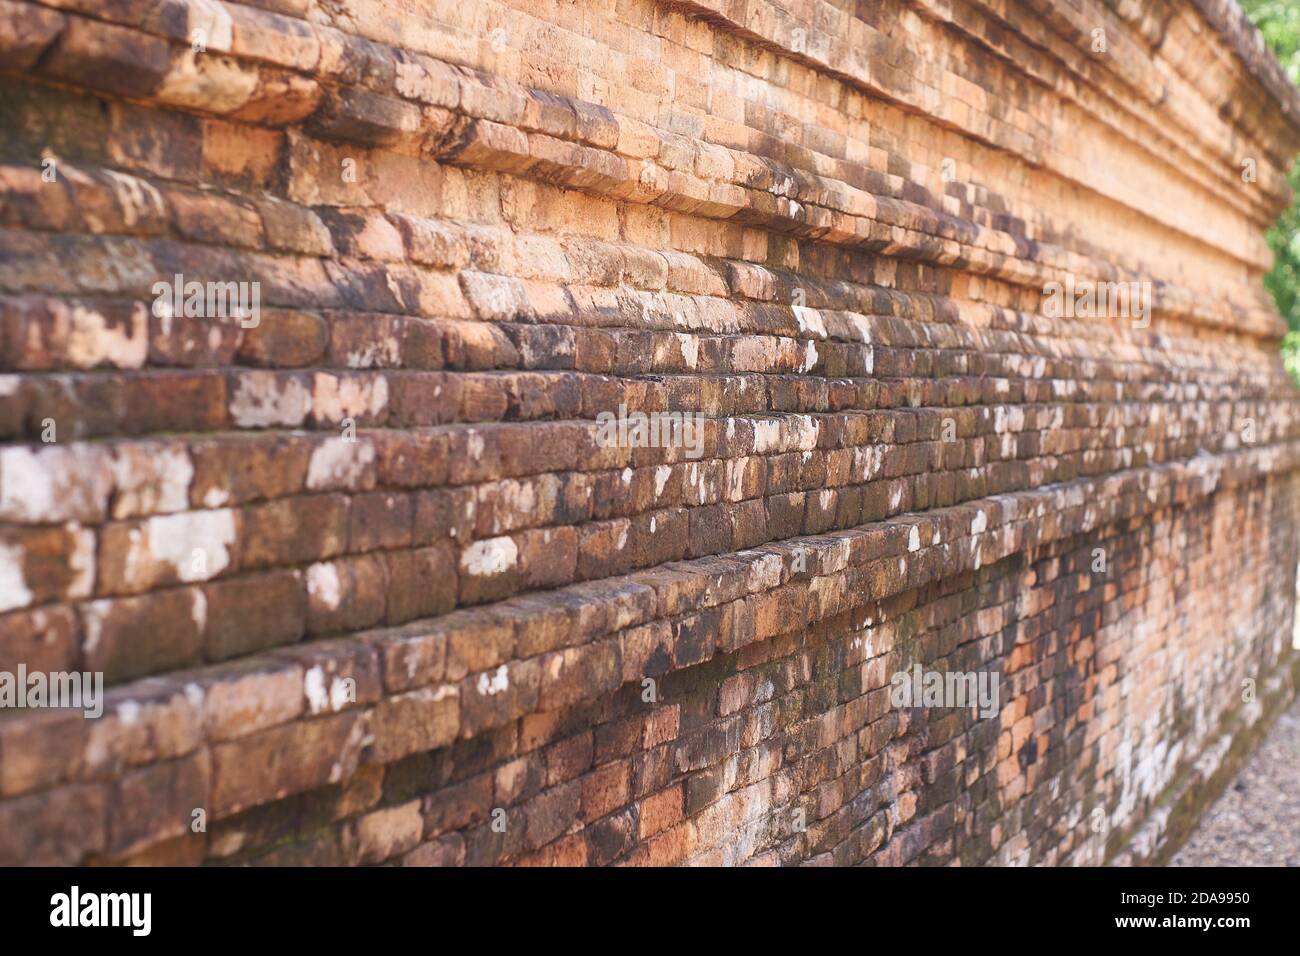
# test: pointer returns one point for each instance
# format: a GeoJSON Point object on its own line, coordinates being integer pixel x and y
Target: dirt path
{"type": "Point", "coordinates": [1257, 820]}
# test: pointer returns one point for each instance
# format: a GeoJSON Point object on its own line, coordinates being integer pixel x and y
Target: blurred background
{"type": "Point", "coordinates": [1279, 21]}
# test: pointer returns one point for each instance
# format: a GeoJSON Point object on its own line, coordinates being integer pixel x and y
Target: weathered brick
{"type": "Point", "coordinates": [284, 760]}
{"type": "Point", "coordinates": [110, 57]}
{"type": "Point", "coordinates": [535, 643]}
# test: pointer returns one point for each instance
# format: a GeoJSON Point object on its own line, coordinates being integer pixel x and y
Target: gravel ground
{"type": "Point", "coordinates": [1257, 820]}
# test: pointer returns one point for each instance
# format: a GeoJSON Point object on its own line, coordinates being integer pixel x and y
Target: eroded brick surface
{"type": "Point", "coordinates": [368, 585]}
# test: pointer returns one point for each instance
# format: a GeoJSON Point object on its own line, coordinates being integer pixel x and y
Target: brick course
{"type": "Point", "coordinates": [367, 586]}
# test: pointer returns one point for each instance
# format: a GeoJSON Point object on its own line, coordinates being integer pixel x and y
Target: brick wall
{"type": "Point", "coordinates": [367, 585]}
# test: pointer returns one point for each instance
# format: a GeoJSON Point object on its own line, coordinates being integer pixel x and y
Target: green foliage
{"type": "Point", "coordinates": [1291, 354]}
{"type": "Point", "coordinates": [1279, 21]}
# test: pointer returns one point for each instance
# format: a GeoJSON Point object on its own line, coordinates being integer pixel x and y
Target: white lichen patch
{"type": "Point", "coordinates": [489, 556]}
{"type": "Point", "coordinates": [335, 398]}
{"type": "Point", "coordinates": [736, 479]}
{"type": "Point", "coordinates": [767, 435]}
{"type": "Point", "coordinates": [151, 478]}
{"type": "Point", "coordinates": [92, 619]}
{"type": "Point", "coordinates": [264, 399]}
{"type": "Point", "coordinates": [341, 693]}
{"type": "Point", "coordinates": [807, 432]}
{"type": "Point", "coordinates": [869, 461]}
{"type": "Point", "coordinates": [385, 353]}
{"type": "Point", "coordinates": [1000, 419]}
{"type": "Point", "coordinates": [323, 585]}
{"type": "Point", "coordinates": [491, 683]}
{"type": "Point", "coordinates": [81, 562]}
{"type": "Point", "coordinates": [690, 347]}
{"type": "Point", "coordinates": [513, 502]}
{"type": "Point", "coordinates": [128, 712]}
{"type": "Point", "coordinates": [94, 340]}
{"type": "Point", "coordinates": [196, 544]}
{"type": "Point", "coordinates": [321, 696]}
{"type": "Point", "coordinates": [810, 358]}
{"type": "Point", "coordinates": [810, 320]}
{"type": "Point", "coordinates": [215, 497]}
{"type": "Point", "coordinates": [215, 21]}
{"type": "Point", "coordinates": [338, 463]}
{"type": "Point", "coordinates": [199, 610]}
{"type": "Point", "coordinates": [13, 584]}
{"type": "Point", "coordinates": [52, 483]}
{"type": "Point", "coordinates": [136, 198]}
{"type": "Point", "coordinates": [765, 573]}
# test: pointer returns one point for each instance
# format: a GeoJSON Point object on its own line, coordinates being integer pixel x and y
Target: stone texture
{"type": "Point", "coordinates": [371, 575]}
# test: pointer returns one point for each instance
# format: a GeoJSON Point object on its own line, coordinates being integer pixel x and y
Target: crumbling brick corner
{"type": "Point", "coordinates": [566, 432]}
